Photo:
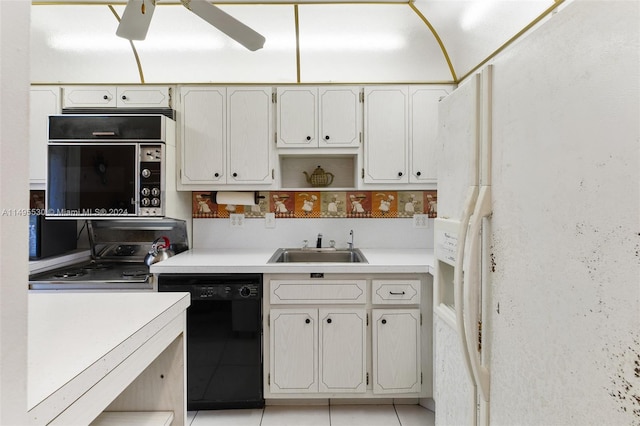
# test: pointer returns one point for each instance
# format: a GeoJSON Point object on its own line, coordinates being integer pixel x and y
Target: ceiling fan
{"type": "Point", "coordinates": [136, 18]}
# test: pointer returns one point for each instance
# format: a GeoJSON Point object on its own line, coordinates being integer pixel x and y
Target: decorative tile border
{"type": "Point", "coordinates": [324, 204]}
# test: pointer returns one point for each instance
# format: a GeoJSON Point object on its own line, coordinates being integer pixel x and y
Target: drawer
{"type": "Point", "coordinates": [400, 292]}
{"type": "Point", "coordinates": [311, 291]}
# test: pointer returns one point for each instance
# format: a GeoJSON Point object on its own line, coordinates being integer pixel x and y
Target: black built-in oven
{"type": "Point", "coordinates": [224, 339]}
{"type": "Point", "coordinates": [108, 166]}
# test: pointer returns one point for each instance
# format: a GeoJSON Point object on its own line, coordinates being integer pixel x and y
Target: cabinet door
{"type": "Point", "coordinates": [340, 116]}
{"type": "Point", "coordinates": [396, 350]}
{"type": "Point", "coordinates": [423, 133]}
{"type": "Point", "coordinates": [297, 117]}
{"type": "Point", "coordinates": [293, 350]}
{"type": "Point", "coordinates": [203, 135]}
{"type": "Point", "coordinates": [249, 118]}
{"type": "Point", "coordinates": [143, 97]}
{"type": "Point", "coordinates": [342, 363]}
{"type": "Point", "coordinates": [44, 101]}
{"type": "Point", "coordinates": [89, 97]}
{"type": "Point", "coordinates": [385, 134]}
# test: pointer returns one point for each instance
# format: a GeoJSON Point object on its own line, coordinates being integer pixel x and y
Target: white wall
{"type": "Point", "coordinates": [14, 194]}
{"type": "Point", "coordinates": [368, 233]}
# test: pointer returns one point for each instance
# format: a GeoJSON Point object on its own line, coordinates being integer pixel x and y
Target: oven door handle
{"type": "Point", "coordinates": [102, 134]}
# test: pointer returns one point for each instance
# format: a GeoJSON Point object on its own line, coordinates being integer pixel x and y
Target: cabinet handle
{"type": "Point", "coordinates": [384, 321]}
{"type": "Point", "coordinates": [395, 293]}
{"type": "Point", "coordinates": [399, 173]}
{"type": "Point", "coordinates": [326, 137]}
{"type": "Point", "coordinates": [235, 175]}
{"type": "Point", "coordinates": [307, 321]}
{"type": "Point", "coordinates": [124, 98]}
{"type": "Point", "coordinates": [308, 138]}
{"type": "Point", "coordinates": [418, 174]}
{"type": "Point", "coordinates": [328, 320]}
{"type": "Point", "coordinates": [105, 97]}
{"type": "Point", "coordinates": [216, 174]}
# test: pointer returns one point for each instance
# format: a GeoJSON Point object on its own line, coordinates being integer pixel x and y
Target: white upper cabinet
{"type": "Point", "coordinates": [249, 135]}
{"type": "Point", "coordinates": [423, 131]}
{"type": "Point", "coordinates": [202, 124]}
{"type": "Point", "coordinates": [400, 132]}
{"type": "Point", "coordinates": [386, 117]}
{"type": "Point", "coordinates": [312, 117]}
{"type": "Point", "coordinates": [44, 101]}
{"type": "Point", "coordinates": [297, 117]}
{"type": "Point", "coordinates": [225, 136]}
{"type": "Point", "coordinates": [116, 97]}
{"type": "Point", "coordinates": [340, 116]}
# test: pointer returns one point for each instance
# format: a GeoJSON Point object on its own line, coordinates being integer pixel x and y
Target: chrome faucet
{"type": "Point", "coordinates": [319, 241]}
{"type": "Point", "coordinates": [350, 243]}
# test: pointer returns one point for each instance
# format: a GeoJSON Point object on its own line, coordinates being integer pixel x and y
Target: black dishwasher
{"type": "Point", "coordinates": [224, 339]}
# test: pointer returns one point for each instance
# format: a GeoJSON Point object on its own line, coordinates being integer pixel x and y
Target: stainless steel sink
{"type": "Point", "coordinates": [328, 255]}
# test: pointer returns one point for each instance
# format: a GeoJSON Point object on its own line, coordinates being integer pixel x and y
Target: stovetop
{"type": "Point", "coordinates": [94, 275]}
{"type": "Point", "coordinates": [118, 250]}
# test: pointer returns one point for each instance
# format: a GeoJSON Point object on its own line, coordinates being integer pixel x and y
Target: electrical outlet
{"type": "Point", "coordinates": [420, 221]}
{"type": "Point", "coordinates": [236, 220]}
{"type": "Point", "coordinates": [269, 220]}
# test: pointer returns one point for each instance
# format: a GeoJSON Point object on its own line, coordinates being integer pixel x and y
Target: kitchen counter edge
{"type": "Point", "coordinates": [256, 261]}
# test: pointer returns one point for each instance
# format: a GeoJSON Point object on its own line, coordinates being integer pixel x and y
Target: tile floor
{"type": "Point", "coordinates": [325, 415]}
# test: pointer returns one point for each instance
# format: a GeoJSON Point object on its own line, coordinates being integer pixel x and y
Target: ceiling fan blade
{"type": "Point", "coordinates": [135, 20]}
{"type": "Point", "coordinates": [226, 23]}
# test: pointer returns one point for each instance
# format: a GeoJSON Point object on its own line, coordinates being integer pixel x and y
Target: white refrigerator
{"type": "Point", "coordinates": [537, 243]}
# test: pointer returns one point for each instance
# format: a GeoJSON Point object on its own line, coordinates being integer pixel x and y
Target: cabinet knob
{"type": "Point", "coordinates": [326, 137]}
{"type": "Point", "coordinates": [105, 97]}
{"type": "Point", "coordinates": [216, 174]}
{"type": "Point", "coordinates": [418, 173]}
{"type": "Point", "coordinates": [384, 321]}
{"type": "Point", "coordinates": [124, 98]}
{"type": "Point", "coordinates": [328, 320]}
{"type": "Point", "coordinates": [234, 175]}
{"type": "Point", "coordinates": [308, 138]}
{"type": "Point", "coordinates": [400, 174]}
{"type": "Point", "coordinates": [307, 321]}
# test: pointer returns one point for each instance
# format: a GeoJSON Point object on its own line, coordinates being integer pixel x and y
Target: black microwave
{"type": "Point", "coordinates": [106, 166]}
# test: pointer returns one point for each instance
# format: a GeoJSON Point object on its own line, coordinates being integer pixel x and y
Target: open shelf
{"type": "Point", "coordinates": [343, 168]}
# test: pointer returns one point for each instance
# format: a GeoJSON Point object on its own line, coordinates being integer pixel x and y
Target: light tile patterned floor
{"type": "Point", "coordinates": [323, 415]}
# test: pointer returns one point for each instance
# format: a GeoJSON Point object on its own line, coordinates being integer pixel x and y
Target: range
{"type": "Point", "coordinates": [118, 251]}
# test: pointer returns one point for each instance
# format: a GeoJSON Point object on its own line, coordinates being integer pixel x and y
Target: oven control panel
{"type": "Point", "coordinates": [150, 191]}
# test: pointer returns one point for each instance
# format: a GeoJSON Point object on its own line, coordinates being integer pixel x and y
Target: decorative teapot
{"type": "Point", "coordinates": [319, 177]}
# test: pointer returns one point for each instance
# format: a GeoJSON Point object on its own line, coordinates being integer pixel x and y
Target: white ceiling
{"type": "Point", "coordinates": [426, 41]}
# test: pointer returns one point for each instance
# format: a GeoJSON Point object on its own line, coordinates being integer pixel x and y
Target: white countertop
{"type": "Point", "coordinates": [76, 339]}
{"type": "Point", "coordinates": [255, 261]}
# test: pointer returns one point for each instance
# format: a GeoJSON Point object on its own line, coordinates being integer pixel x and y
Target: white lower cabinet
{"type": "Point", "coordinates": [396, 350]}
{"type": "Point", "coordinates": [342, 362]}
{"type": "Point", "coordinates": [318, 350]}
{"type": "Point", "coordinates": [335, 337]}
{"type": "Point", "coordinates": [294, 350]}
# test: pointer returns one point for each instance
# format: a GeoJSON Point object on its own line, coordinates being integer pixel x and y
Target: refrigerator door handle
{"type": "Point", "coordinates": [472, 290]}
{"type": "Point", "coordinates": [458, 284]}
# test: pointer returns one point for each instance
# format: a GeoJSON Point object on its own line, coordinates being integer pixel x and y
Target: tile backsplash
{"type": "Point", "coordinates": [324, 204]}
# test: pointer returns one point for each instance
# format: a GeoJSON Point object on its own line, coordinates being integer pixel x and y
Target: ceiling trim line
{"type": "Point", "coordinates": [133, 48]}
{"type": "Point", "coordinates": [519, 34]}
{"type": "Point", "coordinates": [438, 39]}
{"type": "Point", "coordinates": [223, 3]}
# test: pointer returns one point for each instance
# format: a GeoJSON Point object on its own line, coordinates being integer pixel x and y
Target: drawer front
{"type": "Point", "coordinates": [400, 292]}
{"type": "Point", "coordinates": [303, 291]}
